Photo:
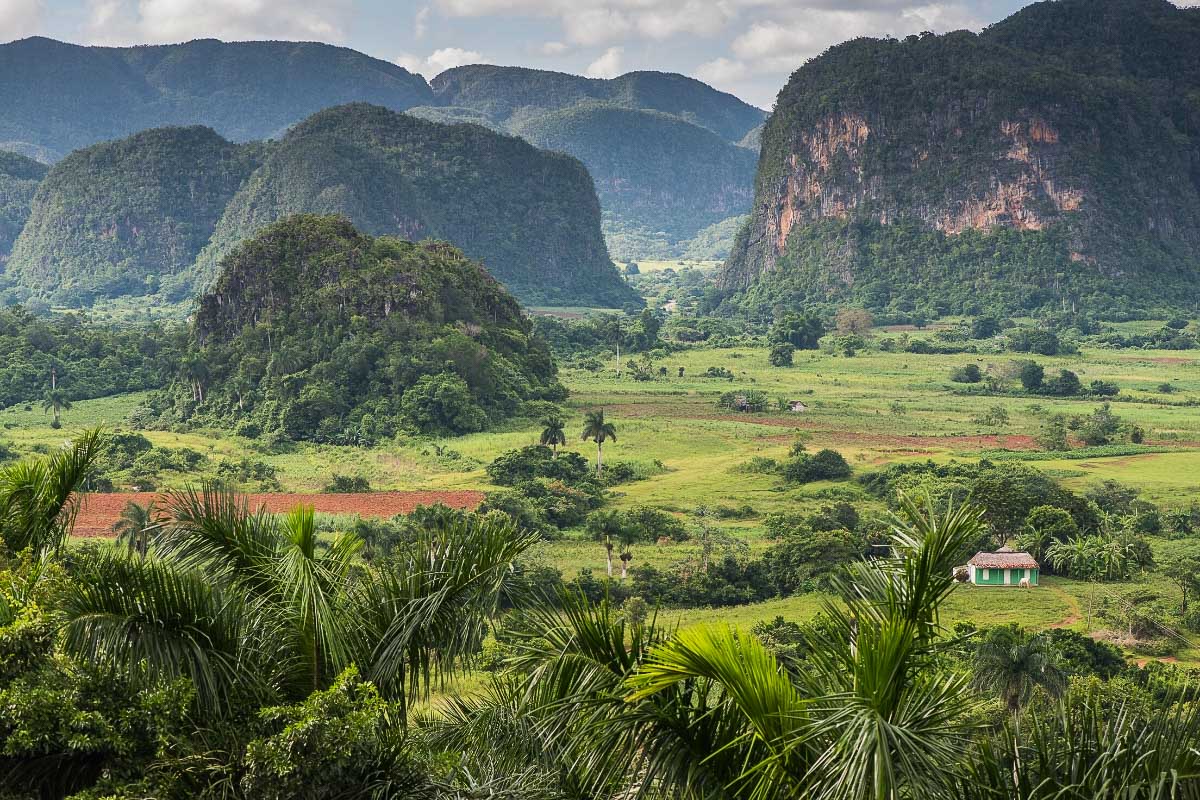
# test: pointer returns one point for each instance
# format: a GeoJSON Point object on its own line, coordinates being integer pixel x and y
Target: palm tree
{"type": "Point", "coordinates": [629, 537]}
{"type": "Point", "coordinates": [1080, 557]}
{"type": "Point", "coordinates": [56, 401]}
{"type": "Point", "coordinates": [599, 431]}
{"type": "Point", "coordinates": [39, 498]}
{"type": "Point", "coordinates": [709, 712]}
{"type": "Point", "coordinates": [604, 525]}
{"type": "Point", "coordinates": [1014, 663]}
{"type": "Point", "coordinates": [136, 527]}
{"type": "Point", "coordinates": [553, 433]}
{"type": "Point", "coordinates": [245, 604]}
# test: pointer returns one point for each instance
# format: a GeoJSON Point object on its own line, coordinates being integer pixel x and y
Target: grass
{"type": "Point", "coordinates": [875, 408]}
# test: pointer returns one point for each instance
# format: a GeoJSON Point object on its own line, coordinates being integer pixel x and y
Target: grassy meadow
{"type": "Point", "coordinates": [875, 408]}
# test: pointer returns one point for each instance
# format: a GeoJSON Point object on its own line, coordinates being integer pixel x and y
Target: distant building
{"type": "Point", "coordinates": [1005, 567]}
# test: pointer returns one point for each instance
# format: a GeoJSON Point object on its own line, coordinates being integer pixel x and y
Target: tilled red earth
{"type": "Point", "coordinates": [100, 511]}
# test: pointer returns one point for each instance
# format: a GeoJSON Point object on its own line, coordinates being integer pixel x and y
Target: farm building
{"type": "Point", "coordinates": [1005, 567]}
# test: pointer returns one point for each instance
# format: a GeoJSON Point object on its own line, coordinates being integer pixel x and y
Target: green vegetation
{"type": "Point", "coordinates": [315, 331]}
{"type": "Point", "coordinates": [963, 172]}
{"type": "Point", "coordinates": [127, 217]}
{"type": "Point", "coordinates": [19, 179]}
{"type": "Point", "coordinates": [531, 216]}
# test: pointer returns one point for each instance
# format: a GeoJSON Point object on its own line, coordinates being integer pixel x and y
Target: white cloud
{"type": "Point", "coordinates": [553, 49]}
{"type": "Point", "coordinates": [438, 61]}
{"type": "Point", "coordinates": [122, 21]}
{"type": "Point", "coordinates": [421, 23]}
{"type": "Point", "coordinates": [19, 18]}
{"type": "Point", "coordinates": [722, 71]}
{"type": "Point", "coordinates": [606, 66]}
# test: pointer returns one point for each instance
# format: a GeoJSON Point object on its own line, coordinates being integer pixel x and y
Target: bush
{"type": "Point", "coordinates": [441, 404]}
{"type": "Point", "coordinates": [346, 484]}
{"type": "Point", "coordinates": [967, 374]}
{"type": "Point", "coordinates": [538, 461]}
{"type": "Point", "coordinates": [781, 355]}
{"type": "Point", "coordinates": [1031, 375]}
{"type": "Point", "coordinates": [824, 465]}
{"type": "Point", "coordinates": [746, 401]}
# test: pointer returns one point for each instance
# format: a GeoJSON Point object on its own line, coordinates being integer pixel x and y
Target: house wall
{"type": "Point", "coordinates": [1002, 577]}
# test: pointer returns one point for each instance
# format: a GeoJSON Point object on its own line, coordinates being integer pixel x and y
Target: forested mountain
{"type": "Point", "coordinates": [316, 331]}
{"type": "Point", "coordinates": [62, 96]}
{"type": "Point", "coordinates": [641, 135]}
{"type": "Point", "coordinates": [531, 216]}
{"type": "Point", "coordinates": [154, 213]}
{"type": "Point", "coordinates": [128, 217]}
{"type": "Point", "coordinates": [1053, 159]}
{"type": "Point", "coordinates": [19, 179]}
{"type": "Point", "coordinates": [508, 95]}
{"type": "Point", "coordinates": [661, 180]}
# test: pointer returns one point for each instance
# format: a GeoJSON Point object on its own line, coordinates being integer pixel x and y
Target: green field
{"type": "Point", "coordinates": [875, 408]}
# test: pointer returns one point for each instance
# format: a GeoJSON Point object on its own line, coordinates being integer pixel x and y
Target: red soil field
{"type": "Point", "coordinates": [100, 511]}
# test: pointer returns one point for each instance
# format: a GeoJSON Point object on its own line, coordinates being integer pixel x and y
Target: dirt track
{"type": "Point", "coordinates": [100, 511]}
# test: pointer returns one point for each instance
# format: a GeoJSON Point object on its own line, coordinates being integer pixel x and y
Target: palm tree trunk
{"type": "Point", "coordinates": [608, 558]}
{"type": "Point", "coordinates": [599, 458]}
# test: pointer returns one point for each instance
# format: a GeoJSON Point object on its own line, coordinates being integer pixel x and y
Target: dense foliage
{"type": "Point", "coordinates": [316, 331]}
{"type": "Point", "coordinates": [532, 217]}
{"type": "Point", "coordinates": [19, 179]}
{"type": "Point", "coordinates": [85, 359]}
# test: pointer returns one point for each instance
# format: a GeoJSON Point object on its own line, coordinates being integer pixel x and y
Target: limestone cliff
{"type": "Point", "coordinates": [1017, 167]}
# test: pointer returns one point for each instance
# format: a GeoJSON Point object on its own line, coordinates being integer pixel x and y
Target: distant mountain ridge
{"type": "Point", "coordinates": [1051, 161]}
{"type": "Point", "coordinates": [60, 97]}
{"type": "Point", "coordinates": [63, 96]}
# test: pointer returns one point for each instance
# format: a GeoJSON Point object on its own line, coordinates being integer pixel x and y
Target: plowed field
{"type": "Point", "coordinates": [100, 511]}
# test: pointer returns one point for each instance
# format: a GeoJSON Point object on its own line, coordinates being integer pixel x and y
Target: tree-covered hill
{"type": "Point", "coordinates": [657, 175]}
{"type": "Point", "coordinates": [19, 179]}
{"type": "Point", "coordinates": [316, 331]}
{"type": "Point", "coordinates": [1053, 159]}
{"type": "Point", "coordinates": [63, 96]}
{"type": "Point", "coordinates": [511, 94]}
{"type": "Point", "coordinates": [128, 217]}
{"type": "Point", "coordinates": [642, 136]}
{"type": "Point", "coordinates": [531, 216]}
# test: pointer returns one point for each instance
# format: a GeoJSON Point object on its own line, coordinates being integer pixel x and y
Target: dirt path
{"type": "Point", "coordinates": [100, 511]}
{"type": "Point", "coordinates": [1076, 613]}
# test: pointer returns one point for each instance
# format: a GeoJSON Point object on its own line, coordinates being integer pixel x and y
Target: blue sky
{"type": "Point", "coordinates": [747, 47]}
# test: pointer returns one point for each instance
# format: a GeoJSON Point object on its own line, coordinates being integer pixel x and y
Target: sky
{"type": "Point", "coordinates": [745, 47]}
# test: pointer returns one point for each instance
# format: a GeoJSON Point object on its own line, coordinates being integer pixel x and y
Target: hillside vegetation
{"type": "Point", "coordinates": [648, 173]}
{"type": "Point", "coordinates": [316, 331]}
{"type": "Point", "coordinates": [128, 217]}
{"type": "Point", "coordinates": [641, 135]}
{"type": "Point", "coordinates": [1050, 160]}
{"type": "Point", "coordinates": [19, 179]}
{"type": "Point", "coordinates": [532, 217]}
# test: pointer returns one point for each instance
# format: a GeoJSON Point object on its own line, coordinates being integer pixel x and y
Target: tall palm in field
{"type": "Point", "coordinates": [136, 526]}
{"type": "Point", "coordinates": [57, 402]}
{"type": "Point", "coordinates": [553, 433]}
{"type": "Point", "coordinates": [597, 430]}
{"type": "Point", "coordinates": [1013, 663]}
{"type": "Point", "coordinates": [40, 498]}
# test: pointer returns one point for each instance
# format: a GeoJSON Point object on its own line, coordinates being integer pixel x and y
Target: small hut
{"type": "Point", "coordinates": [1005, 567]}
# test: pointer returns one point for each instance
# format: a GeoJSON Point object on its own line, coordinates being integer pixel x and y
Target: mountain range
{"type": "Point", "coordinates": [60, 97]}
{"type": "Point", "coordinates": [1050, 161]}
{"type": "Point", "coordinates": [155, 213]}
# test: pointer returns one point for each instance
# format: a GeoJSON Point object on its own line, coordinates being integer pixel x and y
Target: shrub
{"type": "Point", "coordinates": [538, 461]}
{"type": "Point", "coordinates": [346, 484]}
{"type": "Point", "coordinates": [781, 355]}
{"type": "Point", "coordinates": [746, 401]}
{"type": "Point", "coordinates": [824, 465]}
{"type": "Point", "coordinates": [967, 374]}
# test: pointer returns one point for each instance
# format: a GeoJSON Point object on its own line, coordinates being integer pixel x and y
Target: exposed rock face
{"type": "Point", "coordinates": [987, 135]}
